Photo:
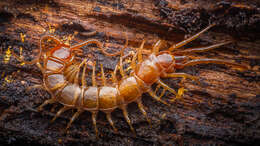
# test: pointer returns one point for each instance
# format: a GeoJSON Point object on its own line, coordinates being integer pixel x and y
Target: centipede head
{"type": "Point", "coordinates": [166, 60]}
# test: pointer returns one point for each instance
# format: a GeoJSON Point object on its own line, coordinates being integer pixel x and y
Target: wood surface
{"type": "Point", "coordinates": [222, 110]}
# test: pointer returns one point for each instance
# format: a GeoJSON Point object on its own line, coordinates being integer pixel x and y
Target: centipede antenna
{"type": "Point", "coordinates": [108, 115]}
{"type": "Point", "coordinates": [206, 61]}
{"type": "Point", "coordinates": [157, 98]}
{"type": "Point", "coordinates": [201, 49]}
{"type": "Point", "coordinates": [104, 82]}
{"type": "Point", "coordinates": [73, 118]}
{"type": "Point", "coordinates": [140, 50]}
{"type": "Point", "coordinates": [62, 110]}
{"type": "Point", "coordinates": [94, 82]}
{"type": "Point", "coordinates": [184, 42]}
{"type": "Point", "coordinates": [141, 107]}
{"type": "Point", "coordinates": [127, 118]}
{"type": "Point", "coordinates": [157, 46]}
{"type": "Point", "coordinates": [49, 101]}
{"type": "Point", "coordinates": [94, 120]}
{"type": "Point", "coordinates": [166, 87]}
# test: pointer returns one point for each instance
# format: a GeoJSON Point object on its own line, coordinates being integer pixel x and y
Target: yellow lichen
{"type": "Point", "coordinates": [8, 79]}
{"type": "Point", "coordinates": [51, 28]}
{"type": "Point", "coordinates": [22, 37]}
{"type": "Point", "coordinates": [3, 74]}
{"type": "Point", "coordinates": [21, 54]}
{"type": "Point", "coordinates": [8, 54]}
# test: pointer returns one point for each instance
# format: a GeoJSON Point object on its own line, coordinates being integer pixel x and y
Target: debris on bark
{"type": "Point", "coordinates": [222, 110]}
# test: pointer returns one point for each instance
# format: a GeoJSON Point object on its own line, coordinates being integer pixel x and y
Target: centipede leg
{"type": "Point", "coordinates": [72, 74]}
{"type": "Point", "coordinates": [76, 79]}
{"type": "Point", "coordinates": [157, 98]}
{"type": "Point", "coordinates": [127, 118]}
{"type": "Point", "coordinates": [108, 115]}
{"type": "Point", "coordinates": [165, 86]}
{"type": "Point", "coordinates": [141, 107]}
{"type": "Point", "coordinates": [133, 62]}
{"type": "Point", "coordinates": [83, 84]}
{"type": "Point", "coordinates": [163, 92]}
{"type": "Point", "coordinates": [184, 42]}
{"type": "Point", "coordinates": [94, 83]}
{"type": "Point", "coordinates": [157, 46]}
{"type": "Point", "coordinates": [113, 74]}
{"type": "Point", "coordinates": [73, 118]}
{"type": "Point", "coordinates": [140, 55]}
{"type": "Point", "coordinates": [121, 69]}
{"type": "Point", "coordinates": [157, 88]}
{"type": "Point", "coordinates": [62, 110]}
{"type": "Point", "coordinates": [94, 120]}
{"type": "Point", "coordinates": [182, 75]}
{"type": "Point", "coordinates": [83, 81]}
{"type": "Point", "coordinates": [104, 81]}
{"type": "Point", "coordinates": [49, 101]}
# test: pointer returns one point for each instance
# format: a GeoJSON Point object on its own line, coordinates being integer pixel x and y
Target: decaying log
{"type": "Point", "coordinates": [222, 110]}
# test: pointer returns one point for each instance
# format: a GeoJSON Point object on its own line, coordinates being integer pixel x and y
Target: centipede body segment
{"type": "Point", "coordinates": [64, 77]}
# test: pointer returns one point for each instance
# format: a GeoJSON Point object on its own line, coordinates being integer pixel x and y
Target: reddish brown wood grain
{"type": "Point", "coordinates": [222, 110]}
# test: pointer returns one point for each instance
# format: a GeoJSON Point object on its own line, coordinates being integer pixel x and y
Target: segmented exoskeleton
{"type": "Point", "coordinates": [61, 77]}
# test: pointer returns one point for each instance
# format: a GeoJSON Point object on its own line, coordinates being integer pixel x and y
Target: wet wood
{"type": "Point", "coordinates": [222, 110]}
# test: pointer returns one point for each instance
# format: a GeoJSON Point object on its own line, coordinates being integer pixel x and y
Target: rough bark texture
{"type": "Point", "coordinates": [223, 110]}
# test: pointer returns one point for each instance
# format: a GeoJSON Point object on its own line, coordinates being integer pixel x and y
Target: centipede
{"type": "Point", "coordinates": [61, 79]}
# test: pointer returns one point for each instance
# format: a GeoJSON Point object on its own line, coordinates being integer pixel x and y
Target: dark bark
{"type": "Point", "coordinates": [223, 110]}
